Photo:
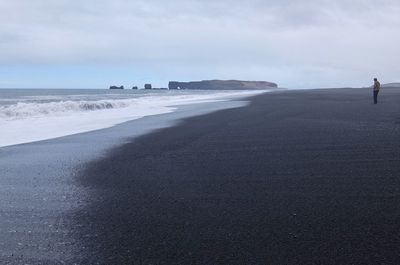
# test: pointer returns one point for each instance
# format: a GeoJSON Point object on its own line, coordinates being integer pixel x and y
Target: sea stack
{"type": "Point", "coordinates": [116, 87]}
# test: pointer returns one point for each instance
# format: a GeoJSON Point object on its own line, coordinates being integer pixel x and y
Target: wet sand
{"type": "Point", "coordinates": [296, 177]}
{"type": "Point", "coordinates": [39, 191]}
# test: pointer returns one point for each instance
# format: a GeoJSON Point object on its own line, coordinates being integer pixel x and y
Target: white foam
{"type": "Point", "coordinates": [26, 122]}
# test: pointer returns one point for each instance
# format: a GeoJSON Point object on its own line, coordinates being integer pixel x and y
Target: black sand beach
{"type": "Point", "coordinates": [39, 191]}
{"type": "Point", "coordinates": [296, 177]}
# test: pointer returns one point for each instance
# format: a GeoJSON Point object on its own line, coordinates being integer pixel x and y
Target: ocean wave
{"type": "Point", "coordinates": [31, 121]}
{"type": "Point", "coordinates": [39, 109]}
{"type": "Point", "coordinates": [23, 110]}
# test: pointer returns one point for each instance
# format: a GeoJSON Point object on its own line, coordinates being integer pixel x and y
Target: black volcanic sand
{"type": "Point", "coordinates": [297, 177]}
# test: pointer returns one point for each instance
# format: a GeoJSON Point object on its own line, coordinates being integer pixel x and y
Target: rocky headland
{"type": "Point", "coordinates": [394, 85]}
{"type": "Point", "coordinates": [222, 84]}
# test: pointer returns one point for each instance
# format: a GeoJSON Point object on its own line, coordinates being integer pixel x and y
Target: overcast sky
{"type": "Point", "coordinates": [296, 43]}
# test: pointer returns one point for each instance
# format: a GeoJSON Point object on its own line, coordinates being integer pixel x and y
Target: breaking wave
{"type": "Point", "coordinates": [23, 110]}
{"type": "Point", "coordinates": [39, 119]}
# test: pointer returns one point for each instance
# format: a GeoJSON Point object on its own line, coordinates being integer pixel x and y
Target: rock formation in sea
{"type": "Point", "coordinates": [116, 87]}
{"type": "Point", "coordinates": [148, 86]}
{"type": "Point", "coordinates": [222, 84]}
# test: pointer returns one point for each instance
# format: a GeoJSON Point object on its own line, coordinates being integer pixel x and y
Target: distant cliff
{"type": "Point", "coordinates": [222, 84]}
{"type": "Point", "coordinates": [394, 85]}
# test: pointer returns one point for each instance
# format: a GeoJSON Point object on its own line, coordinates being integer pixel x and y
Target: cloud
{"type": "Point", "coordinates": [314, 43]}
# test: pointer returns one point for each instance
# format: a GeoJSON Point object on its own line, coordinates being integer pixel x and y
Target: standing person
{"type": "Point", "coordinates": [377, 87]}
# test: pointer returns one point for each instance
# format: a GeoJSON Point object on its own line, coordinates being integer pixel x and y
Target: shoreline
{"type": "Point", "coordinates": [40, 119]}
{"type": "Point", "coordinates": [38, 189]}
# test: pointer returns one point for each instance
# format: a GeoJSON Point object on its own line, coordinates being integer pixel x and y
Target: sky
{"type": "Point", "coordinates": [297, 44]}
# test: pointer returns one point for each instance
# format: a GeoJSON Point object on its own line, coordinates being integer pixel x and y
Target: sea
{"type": "Point", "coordinates": [30, 115]}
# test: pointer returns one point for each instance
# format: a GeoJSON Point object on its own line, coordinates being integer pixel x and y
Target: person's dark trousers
{"type": "Point", "coordinates": [376, 97]}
